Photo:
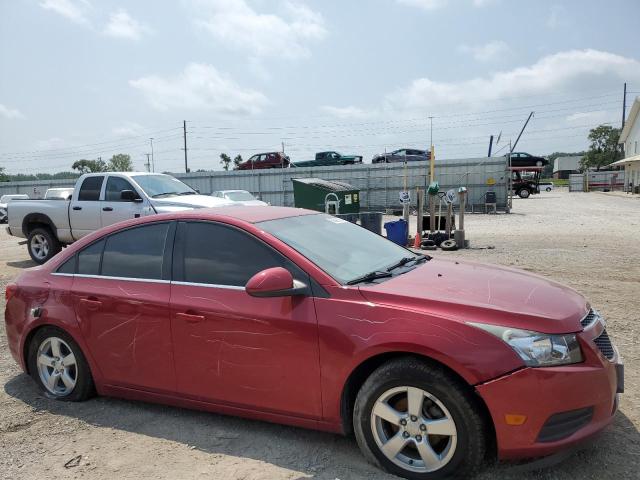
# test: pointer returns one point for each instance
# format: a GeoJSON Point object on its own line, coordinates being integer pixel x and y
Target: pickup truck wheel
{"type": "Point", "coordinates": [42, 245]}
{"type": "Point", "coordinates": [417, 421]}
{"type": "Point", "coordinates": [524, 193]}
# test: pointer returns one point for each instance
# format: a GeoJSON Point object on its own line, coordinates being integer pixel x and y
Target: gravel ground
{"type": "Point", "coordinates": [590, 241]}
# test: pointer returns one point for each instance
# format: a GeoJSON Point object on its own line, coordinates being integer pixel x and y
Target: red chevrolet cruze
{"type": "Point", "coordinates": [296, 317]}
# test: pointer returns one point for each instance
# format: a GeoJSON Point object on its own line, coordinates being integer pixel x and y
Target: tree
{"type": "Point", "coordinates": [3, 176]}
{"type": "Point", "coordinates": [237, 161]}
{"type": "Point", "coordinates": [120, 163]}
{"type": "Point", "coordinates": [225, 160]}
{"type": "Point", "coordinates": [604, 148]}
{"type": "Point", "coordinates": [89, 166]}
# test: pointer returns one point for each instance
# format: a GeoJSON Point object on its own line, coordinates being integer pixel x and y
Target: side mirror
{"type": "Point", "coordinates": [129, 196]}
{"type": "Point", "coordinates": [274, 282]}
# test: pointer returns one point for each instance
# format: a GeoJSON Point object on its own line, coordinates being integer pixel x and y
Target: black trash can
{"type": "Point", "coordinates": [349, 217]}
{"type": "Point", "coordinates": [372, 221]}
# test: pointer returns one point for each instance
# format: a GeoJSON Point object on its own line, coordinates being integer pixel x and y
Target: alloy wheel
{"type": "Point", "coordinates": [413, 429]}
{"type": "Point", "coordinates": [40, 246]}
{"type": "Point", "coordinates": [57, 366]}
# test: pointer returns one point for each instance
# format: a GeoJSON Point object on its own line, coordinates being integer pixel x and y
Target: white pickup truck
{"type": "Point", "coordinates": [98, 200]}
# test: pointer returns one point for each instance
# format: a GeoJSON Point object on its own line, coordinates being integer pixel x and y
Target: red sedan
{"type": "Point", "coordinates": [296, 317]}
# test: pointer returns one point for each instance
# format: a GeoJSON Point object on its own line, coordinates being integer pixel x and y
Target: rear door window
{"type": "Point", "coordinates": [89, 259]}
{"type": "Point", "coordinates": [90, 189]}
{"type": "Point", "coordinates": [136, 252]}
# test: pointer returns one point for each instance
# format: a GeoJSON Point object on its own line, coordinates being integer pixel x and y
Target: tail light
{"type": "Point", "coordinates": [10, 291]}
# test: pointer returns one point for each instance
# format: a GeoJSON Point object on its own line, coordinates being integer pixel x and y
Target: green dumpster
{"type": "Point", "coordinates": [316, 194]}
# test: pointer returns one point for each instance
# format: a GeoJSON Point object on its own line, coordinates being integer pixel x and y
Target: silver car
{"type": "Point", "coordinates": [239, 197]}
{"type": "Point", "coordinates": [5, 199]}
{"type": "Point", "coordinates": [402, 155]}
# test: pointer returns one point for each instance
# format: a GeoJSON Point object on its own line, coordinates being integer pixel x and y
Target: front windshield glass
{"type": "Point", "coordinates": [157, 186]}
{"type": "Point", "coordinates": [240, 196]}
{"type": "Point", "coordinates": [342, 249]}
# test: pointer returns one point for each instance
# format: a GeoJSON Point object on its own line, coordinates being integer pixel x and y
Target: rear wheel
{"type": "Point", "coordinates": [524, 193]}
{"type": "Point", "coordinates": [418, 421]}
{"type": "Point", "coordinates": [42, 245]}
{"type": "Point", "coordinates": [58, 366]}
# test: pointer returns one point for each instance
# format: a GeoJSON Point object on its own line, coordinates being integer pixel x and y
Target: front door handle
{"type": "Point", "coordinates": [77, 208]}
{"type": "Point", "coordinates": [190, 318]}
{"type": "Point", "coordinates": [107, 209]}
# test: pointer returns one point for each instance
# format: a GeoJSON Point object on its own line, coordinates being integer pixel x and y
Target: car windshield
{"type": "Point", "coordinates": [342, 249]}
{"type": "Point", "coordinates": [239, 196]}
{"type": "Point", "coordinates": [156, 186]}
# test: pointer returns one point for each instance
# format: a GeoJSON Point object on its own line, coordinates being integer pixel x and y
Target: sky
{"type": "Point", "coordinates": [89, 79]}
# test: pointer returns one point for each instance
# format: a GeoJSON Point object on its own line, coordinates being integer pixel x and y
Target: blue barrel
{"type": "Point", "coordinates": [397, 232]}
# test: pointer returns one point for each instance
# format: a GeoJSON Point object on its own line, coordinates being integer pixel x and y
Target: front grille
{"type": "Point", "coordinates": [604, 344]}
{"type": "Point", "coordinates": [589, 319]}
{"type": "Point", "coordinates": [565, 424]}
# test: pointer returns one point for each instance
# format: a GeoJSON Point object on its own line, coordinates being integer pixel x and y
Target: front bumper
{"type": "Point", "coordinates": [563, 406]}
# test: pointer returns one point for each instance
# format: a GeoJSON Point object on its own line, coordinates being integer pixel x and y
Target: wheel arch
{"type": "Point", "coordinates": [35, 220]}
{"type": "Point", "coordinates": [362, 371]}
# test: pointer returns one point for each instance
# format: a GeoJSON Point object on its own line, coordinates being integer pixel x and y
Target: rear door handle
{"type": "Point", "coordinates": [77, 208]}
{"type": "Point", "coordinates": [91, 302]}
{"type": "Point", "coordinates": [107, 209]}
{"type": "Point", "coordinates": [190, 318]}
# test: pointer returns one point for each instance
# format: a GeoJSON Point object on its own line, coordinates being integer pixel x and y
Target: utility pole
{"type": "Point", "coordinates": [153, 166]}
{"type": "Point", "coordinates": [184, 131]}
{"type": "Point", "coordinates": [148, 164]}
{"type": "Point", "coordinates": [624, 103]}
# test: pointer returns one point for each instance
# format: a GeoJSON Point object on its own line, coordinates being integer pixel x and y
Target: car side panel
{"type": "Point", "coordinates": [351, 330]}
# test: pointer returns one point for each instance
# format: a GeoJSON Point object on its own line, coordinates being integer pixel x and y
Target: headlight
{"type": "Point", "coordinates": [537, 349]}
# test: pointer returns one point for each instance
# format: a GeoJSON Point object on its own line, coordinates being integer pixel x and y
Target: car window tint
{"type": "Point", "coordinates": [90, 189]}
{"type": "Point", "coordinates": [115, 186]}
{"type": "Point", "coordinates": [220, 255]}
{"type": "Point", "coordinates": [89, 259]}
{"type": "Point", "coordinates": [136, 253]}
{"type": "Point", "coordinates": [68, 267]}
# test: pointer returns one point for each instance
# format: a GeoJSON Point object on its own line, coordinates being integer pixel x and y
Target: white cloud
{"type": "Point", "coordinates": [488, 52]}
{"type": "Point", "coordinates": [424, 4]}
{"type": "Point", "coordinates": [10, 113]}
{"type": "Point", "coordinates": [593, 117]}
{"type": "Point", "coordinates": [484, 3]}
{"type": "Point", "coordinates": [53, 143]}
{"type": "Point", "coordinates": [563, 71]}
{"type": "Point", "coordinates": [348, 112]}
{"type": "Point", "coordinates": [122, 25]}
{"type": "Point", "coordinates": [128, 129]}
{"type": "Point", "coordinates": [74, 10]}
{"type": "Point", "coordinates": [236, 24]}
{"type": "Point", "coordinates": [200, 87]}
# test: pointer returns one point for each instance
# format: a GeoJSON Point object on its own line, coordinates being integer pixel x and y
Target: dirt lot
{"type": "Point", "coordinates": [588, 241]}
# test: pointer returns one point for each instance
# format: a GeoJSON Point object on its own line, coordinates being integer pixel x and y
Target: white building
{"type": "Point", "coordinates": [630, 138]}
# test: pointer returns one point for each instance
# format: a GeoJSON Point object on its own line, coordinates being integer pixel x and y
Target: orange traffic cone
{"type": "Point", "coordinates": [417, 240]}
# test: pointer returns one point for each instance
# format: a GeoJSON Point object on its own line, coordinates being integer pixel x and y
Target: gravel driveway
{"type": "Point", "coordinates": [590, 241]}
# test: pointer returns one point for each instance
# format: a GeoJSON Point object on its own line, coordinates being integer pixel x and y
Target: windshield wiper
{"type": "Point", "coordinates": [369, 277]}
{"type": "Point", "coordinates": [165, 194]}
{"type": "Point", "coordinates": [418, 258]}
{"type": "Point", "coordinates": [187, 193]}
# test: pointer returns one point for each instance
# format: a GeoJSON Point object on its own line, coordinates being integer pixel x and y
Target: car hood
{"type": "Point", "coordinates": [190, 201]}
{"type": "Point", "coordinates": [251, 203]}
{"type": "Point", "coordinates": [469, 291]}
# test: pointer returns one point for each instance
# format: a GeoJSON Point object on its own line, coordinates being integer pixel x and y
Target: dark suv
{"type": "Point", "coordinates": [265, 160]}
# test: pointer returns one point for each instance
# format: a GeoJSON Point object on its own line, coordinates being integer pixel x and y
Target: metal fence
{"type": "Point", "coordinates": [608, 180]}
{"type": "Point", "coordinates": [379, 184]}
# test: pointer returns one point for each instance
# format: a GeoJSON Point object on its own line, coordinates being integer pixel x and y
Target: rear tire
{"type": "Point", "coordinates": [58, 366]}
{"type": "Point", "coordinates": [397, 407]}
{"type": "Point", "coordinates": [524, 193]}
{"type": "Point", "coordinates": [42, 245]}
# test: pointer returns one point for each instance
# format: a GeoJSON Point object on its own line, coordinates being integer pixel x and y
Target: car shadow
{"type": "Point", "coordinates": [22, 264]}
{"type": "Point", "coordinates": [313, 454]}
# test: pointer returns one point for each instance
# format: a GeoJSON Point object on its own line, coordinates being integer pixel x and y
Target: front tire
{"type": "Point", "coordinates": [418, 421]}
{"type": "Point", "coordinates": [58, 366]}
{"type": "Point", "coordinates": [42, 245]}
